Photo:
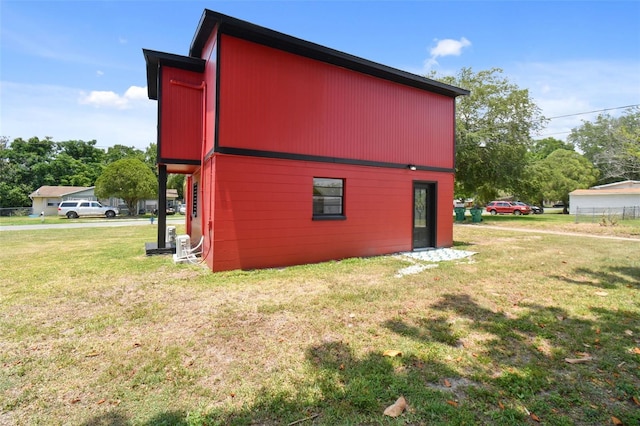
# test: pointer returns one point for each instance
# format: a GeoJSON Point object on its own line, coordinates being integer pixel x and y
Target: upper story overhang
{"type": "Point", "coordinates": [155, 60]}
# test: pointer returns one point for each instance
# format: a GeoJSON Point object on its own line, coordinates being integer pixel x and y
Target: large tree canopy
{"type": "Point", "coordinates": [118, 152]}
{"type": "Point", "coordinates": [612, 144]}
{"type": "Point", "coordinates": [12, 191]}
{"type": "Point", "coordinates": [129, 179]}
{"type": "Point", "coordinates": [530, 188]}
{"type": "Point", "coordinates": [542, 148]}
{"type": "Point", "coordinates": [77, 163]}
{"type": "Point", "coordinates": [26, 167]}
{"type": "Point", "coordinates": [493, 128]}
{"type": "Point", "coordinates": [564, 171]}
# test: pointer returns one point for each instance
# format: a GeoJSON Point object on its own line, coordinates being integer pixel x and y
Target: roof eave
{"type": "Point", "coordinates": [255, 33]}
{"type": "Point", "coordinates": [155, 60]}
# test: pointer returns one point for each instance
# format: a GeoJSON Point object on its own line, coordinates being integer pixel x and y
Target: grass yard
{"type": "Point", "coordinates": [532, 329]}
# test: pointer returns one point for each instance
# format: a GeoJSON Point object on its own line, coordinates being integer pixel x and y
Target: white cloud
{"type": "Point", "coordinates": [446, 47]}
{"type": "Point", "coordinates": [136, 93]}
{"type": "Point", "coordinates": [109, 99]}
{"type": "Point", "coordinates": [45, 110]}
{"type": "Point", "coordinates": [449, 47]}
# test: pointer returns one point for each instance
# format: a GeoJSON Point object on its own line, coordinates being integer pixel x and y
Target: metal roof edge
{"type": "Point", "coordinates": [271, 38]}
{"type": "Point", "coordinates": [154, 59]}
{"type": "Point", "coordinates": [614, 184]}
{"type": "Point", "coordinates": [46, 193]}
{"type": "Point", "coordinates": [610, 191]}
{"type": "Point", "coordinates": [79, 190]}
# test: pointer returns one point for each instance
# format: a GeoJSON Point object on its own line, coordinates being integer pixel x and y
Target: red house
{"type": "Point", "coordinates": [296, 153]}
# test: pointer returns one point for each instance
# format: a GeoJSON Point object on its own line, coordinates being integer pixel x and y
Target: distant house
{"type": "Point", "coordinates": [609, 198]}
{"type": "Point", "coordinates": [47, 198]}
{"type": "Point", "coordinates": [297, 153]}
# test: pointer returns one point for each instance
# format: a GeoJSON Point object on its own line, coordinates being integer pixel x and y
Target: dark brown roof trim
{"type": "Point", "coordinates": [257, 34]}
{"type": "Point", "coordinates": [322, 159]}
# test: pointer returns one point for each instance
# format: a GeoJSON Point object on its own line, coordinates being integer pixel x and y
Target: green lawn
{"type": "Point", "coordinates": [93, 332]}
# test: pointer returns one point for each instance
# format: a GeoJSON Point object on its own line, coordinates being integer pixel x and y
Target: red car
{"type": "Point", "coordinates": [507, 207]}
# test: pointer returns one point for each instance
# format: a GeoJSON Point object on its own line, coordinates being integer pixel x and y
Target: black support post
{"type": "Point", "coordinates": [162, 206]}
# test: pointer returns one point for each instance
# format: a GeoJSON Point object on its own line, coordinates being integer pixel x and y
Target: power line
{"type": "Point", "coordinates": [582, 113]}
{"type": "Point", "coordinates": [591, 112]}
{"type": "Point", "coordinates": [556, 133]}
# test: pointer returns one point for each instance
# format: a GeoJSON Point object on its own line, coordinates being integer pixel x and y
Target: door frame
{"type": "Point", "coordinates": [431, 214]}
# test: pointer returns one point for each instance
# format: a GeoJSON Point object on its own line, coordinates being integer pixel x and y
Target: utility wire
{"type": "Point", "coordinates": [581, 113]}
{"type": "Point", "coordinates": [591, 112]}
{"type": "Point", "coordinates": [556, 133]}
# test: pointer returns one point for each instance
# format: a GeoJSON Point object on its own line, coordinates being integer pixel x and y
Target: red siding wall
{"type": "Point", "coordinates": [263, 212]}
{"type": "Point", "coordinates": [181, 115]}
{"type": "Point", "coordinates": [277, 101]}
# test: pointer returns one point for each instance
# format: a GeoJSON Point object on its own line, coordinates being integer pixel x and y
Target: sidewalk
{"type": "Point", "coordinates": [546, 231]}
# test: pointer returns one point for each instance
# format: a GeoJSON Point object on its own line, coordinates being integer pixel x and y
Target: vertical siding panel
{"type": "Point", "coordinates": [277, 101]}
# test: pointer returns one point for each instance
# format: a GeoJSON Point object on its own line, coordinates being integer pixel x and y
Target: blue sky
{"type": "Point", "coordinates": [75, 69]}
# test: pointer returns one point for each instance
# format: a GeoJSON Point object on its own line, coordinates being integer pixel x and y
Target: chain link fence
{"type": "Point", "coordinates": [15, 211]}
{"type": "Point", "coordinates": [606, 214]}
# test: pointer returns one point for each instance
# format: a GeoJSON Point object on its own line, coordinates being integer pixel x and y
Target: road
{"type": "Point", "coordinates": [96, 224]}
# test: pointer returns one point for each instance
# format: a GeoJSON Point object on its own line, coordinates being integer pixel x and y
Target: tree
{"type": "Point", "coordinates": [493, 128]}
{"type": "Point", "coordinates": [530, 188]}
{"type": "Point", "coordinates": [176, 181]}
{"type": "Point", "coordinates": [68, 171]}
{"type": "Point", "coordinates": [31, 161]}
{"type": "Point", "coordinates": [84, 151]}
{"type": "Point", "coordinates": [4, 161]}
{"type": "Point", "coordinates": [542, 148]}
{"type": "Point", "coordinates": [26, 166]}
{"type": "Point", "coordinates": [151, 157]}
{"type": "Point", "coordinates": [118, 152]}
{"type": "Point", "coordinates": [13, 193]}
{"type": "Point", "coordinates": [564, 171]}
{"type": "Point", "coordinates": [129, 179]}
{"type": "Point", "coordinates": [612, 144]}
{"type": "Point", "coordinates": [77, 163]}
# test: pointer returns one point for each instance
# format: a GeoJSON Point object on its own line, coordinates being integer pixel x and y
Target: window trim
{"type": "Point", "coordinates": [330, 216]}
